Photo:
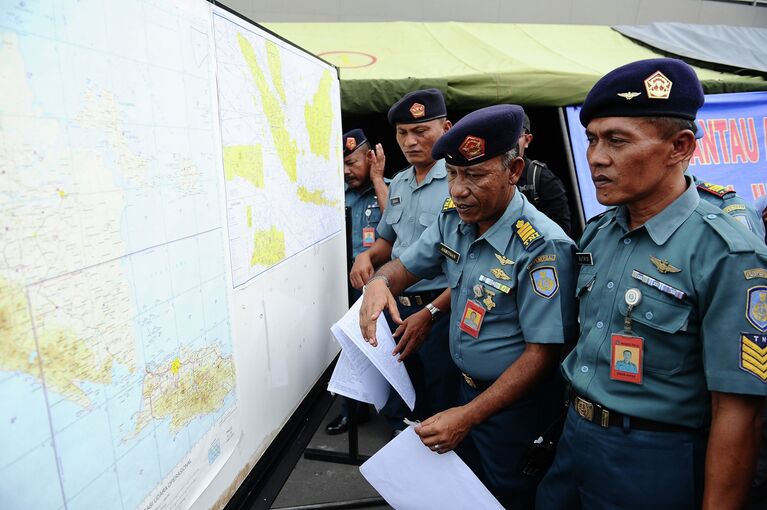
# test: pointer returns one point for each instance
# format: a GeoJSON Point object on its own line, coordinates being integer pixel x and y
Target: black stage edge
{"type": "Point", "coordinates": [263, 484]}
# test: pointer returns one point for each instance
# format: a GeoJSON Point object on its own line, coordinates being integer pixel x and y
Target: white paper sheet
{"type": "Point", "coordinates": [356, 377]}
{"type": "Point", "coordinates": [409, 476]}
{"type": "Point", "coordinates": [347, 332]}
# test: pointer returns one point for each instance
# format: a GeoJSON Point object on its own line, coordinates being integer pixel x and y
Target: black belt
{"type": "Point", "coordinates": [419, 299]}
{"type": "Point", "coordinates": [477, 385]}
{"type": "Point", "coordinates": [596, 413]}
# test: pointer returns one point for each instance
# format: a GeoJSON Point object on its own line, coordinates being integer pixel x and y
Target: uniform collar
{"type": "Point", "coordinates": [662, 225]}
{"type": "Point", "coordinates": [438, 171]}
{"type": "Point", "coordinates": [499, 235]}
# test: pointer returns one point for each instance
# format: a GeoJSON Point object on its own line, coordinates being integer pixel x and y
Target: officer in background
{"type": "Point", "coordinates": [366, 193]}
{"type": "Point", "coordinates": [728, 201]}
{"type": "Point", "coordinates": [541, 187]}
{"type": "Point", "coordinates": [511, 272]}
{"type": "Point", "coordinates": [416, 197]}
{"type": "Point", "coordinates": [680, 283]}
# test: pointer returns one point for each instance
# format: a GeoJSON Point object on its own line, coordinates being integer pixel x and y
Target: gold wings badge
{"type": "Point", "coordinates": [629, 95]}
{"type": "Point", "coordinates": [503, 260]}
{"type": "Point", "coordinates": [664, 266]}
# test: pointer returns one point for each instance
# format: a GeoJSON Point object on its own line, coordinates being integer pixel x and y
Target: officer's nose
{"type": "Point", "coordinates": [597, 155]}
{"type": "Point", "coordinates": [457, 188]}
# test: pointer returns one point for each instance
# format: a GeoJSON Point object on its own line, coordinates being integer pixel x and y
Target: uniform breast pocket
{"type": "Point", "coordinates": [375, 216]}
{"type": "Point", "coordinates": [664, 326]}
{"type": "Point", "coordinates": [393, 215]}
{"type": "Point", "coordinates": [586, 281]}
{"type": "Point", "coordinates": [426, 219]}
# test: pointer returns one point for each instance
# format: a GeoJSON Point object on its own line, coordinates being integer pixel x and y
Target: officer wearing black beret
{"type": "Point", "coordinates": [511, 271]}
{"type": "Point", "coordinates": [681, 286]}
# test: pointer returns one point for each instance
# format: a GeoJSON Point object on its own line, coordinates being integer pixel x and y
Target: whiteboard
{"type": "Point", "coordinates": [159, 320]}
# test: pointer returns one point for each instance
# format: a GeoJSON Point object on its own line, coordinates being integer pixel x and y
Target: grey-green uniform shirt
{"type": "Point", "coordinates": [729, 202]}
{"type": "Point", "coordinates": [412, 208]}
{"type": "Point", "coordinates": [702, 317]}
{"type": "Point", "coordinates": [521, 272]}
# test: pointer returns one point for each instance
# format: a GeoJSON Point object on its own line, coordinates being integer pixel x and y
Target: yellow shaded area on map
{"type": "Point", "coordinates": [275, 68]}
{"type": "Point", "coordinates": [191, 385]}
{"type": "Point", "coordinates": [249, 214]}
{"type": "Point", "coordinates": [316, 197]}
{"type": "Point", "coordinates": [319, 117]}
{"type": "Point", "coordinates": [268, 247]}
{"type": "Point", "coordinates": [67, 360]}
{"type": "Point", "coordinates": [245, 161]}
{"type": "Point", "coordinates": [286, 146]}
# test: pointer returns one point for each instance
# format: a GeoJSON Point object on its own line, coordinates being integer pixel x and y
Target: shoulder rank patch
{"type": "Point", "coordinates": [449, 205]}
{"type": "Point", "coordinates": [527, 233]}
{"type": "Point", "coordinates": [753, 355]}
{"type": "Point", "coordinates": [734, 207]}
{"type": "Point", "coordinates": [549, 257]}
{"type": "Point", "coordinates": [545, 281]}
{"type": "Point", "coordinates": [756, 307]}
{"type": "Point", "coordinates": [664, 266]}
{"type": "Point", "coordinates": [503, 260]}
{"type": "Point", "coordinates": [714, 189]}
{"type": "Point", "coordinates": [757, 272]}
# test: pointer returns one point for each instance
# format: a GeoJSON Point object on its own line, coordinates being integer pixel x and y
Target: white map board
{"type": "Point", "coordinates": [138, 367]}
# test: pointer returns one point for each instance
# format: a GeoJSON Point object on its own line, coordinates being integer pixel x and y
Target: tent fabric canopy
{"type": "Point", "coordinates": [477, 64]}
{"type": "Point", "coordinates": [736, 47]}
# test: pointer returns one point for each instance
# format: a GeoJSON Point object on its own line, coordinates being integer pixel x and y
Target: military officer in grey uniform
{"type": "Point", "coordinates": [511, 274]}
{"type": "Point", "coordinates": [366, 193]}
{"type": "Point", "coordinates": [416, 197]}
{"type": "Point", "coordinates": [683, 287]}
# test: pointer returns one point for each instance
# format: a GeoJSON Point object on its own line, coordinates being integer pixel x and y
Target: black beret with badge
{"type": "Point", "coordinates": [481, 135]}
{"type": "Point", "coordinates": [353, 140]}
{"type": "Point", "coordinates": [418, 106]}
{"type": "Point", "coordinates": [657, 87]}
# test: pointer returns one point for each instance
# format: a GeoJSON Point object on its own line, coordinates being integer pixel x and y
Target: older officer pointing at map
{"type": "Point", "coordinates": [510, 270]}
{"type": "Point", "coordinates": [677, 287]}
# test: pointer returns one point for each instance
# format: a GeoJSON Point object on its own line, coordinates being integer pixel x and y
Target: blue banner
{"type": "Point", "coordinates": [732, 152]}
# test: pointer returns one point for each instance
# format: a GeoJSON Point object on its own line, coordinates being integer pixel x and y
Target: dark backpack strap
{"type": "Point", "coordinates": [535, 179]}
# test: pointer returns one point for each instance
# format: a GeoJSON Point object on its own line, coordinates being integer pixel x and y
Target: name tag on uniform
{"type": "Point", "coordinates": [395, 200]}
{"type": "Point", "coordinates": [368, 236]}
{"type": "Point", "coordinates": [471, 320]}
{"type": "Point", "coordinates": [448, 252]}
{"type": "Point", "coordinates": [627, 358]}
{"type": "Point", "coordinates": [584, 259]}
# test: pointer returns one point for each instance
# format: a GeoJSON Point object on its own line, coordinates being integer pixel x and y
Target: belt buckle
{"type": "Point", "coordinates": [404, 300]}
{"type": "Point", "coordinates": [584, 408]}
{"type": "Point", "coordinates": [469, 380]}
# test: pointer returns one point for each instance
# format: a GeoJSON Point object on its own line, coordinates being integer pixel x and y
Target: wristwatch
{"type": "Point", "coordinates": [434, 311]}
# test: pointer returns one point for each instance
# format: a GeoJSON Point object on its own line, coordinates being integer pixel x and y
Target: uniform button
{"type": "Point", "coordinates": [472, 255]}
{"type": "Point", "coordinates": [584, 369]}
{"type": "Point", "coordinates": [711, 216]}
{"type": "Point", "coordinates": [610, 285]}
{"type": "Point", "coordinates": [600, 324]}
{"type": "Point", "coordinates": [411, 220]}
{"type": "Point", "coordinates": [648, 316]}
{"type": "Point", "coordinates": [627, 241]}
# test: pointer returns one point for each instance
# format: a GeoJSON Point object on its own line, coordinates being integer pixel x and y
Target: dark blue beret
{"type": "Point", "coordinates": [418, 106]}
{"type": "Point", "coordinates": [352, 140]}
{"type": "Point", "coordinates": [481, 135]}
{"type": "Point", "coordinates": [657, 87]}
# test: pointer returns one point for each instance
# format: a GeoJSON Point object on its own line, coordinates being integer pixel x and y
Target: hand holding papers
{"type": "Point", "coordinates": [377, 297]}
{"type": "Point", "coordinates": [410, 476]}
{"type": "Point", "coordinates": [364, 372]}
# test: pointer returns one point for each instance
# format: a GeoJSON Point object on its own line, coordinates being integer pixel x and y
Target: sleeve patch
{"type": "Point", "coordinates": [753, 355]}
{"type": "Point", "coordinates": [545, 281]}
{"type": "Point", "coordinates": [756, 307]}
{"type": "Point", "coordinates": [527, 233]}
{"type": "Point", "coordinates": [734, 207]}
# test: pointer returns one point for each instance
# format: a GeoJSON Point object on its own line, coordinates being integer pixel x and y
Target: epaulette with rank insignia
{"type": "Point", "coordinates": [449, 205]}
{"type": "Point", "coordinates": [527, 233]}
{"type": "Point", "coordinates": [714, 189]}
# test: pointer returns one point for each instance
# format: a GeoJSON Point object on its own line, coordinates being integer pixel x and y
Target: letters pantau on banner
{"type": "Point", "coordinates": [732, 152]}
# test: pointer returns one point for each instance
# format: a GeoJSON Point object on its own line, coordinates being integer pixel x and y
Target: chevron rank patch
{"type": "Point", "coordinates": [449, 205]}
{"type": "Point", "coordinates": [753, 355]}
{"type": "Point", "coordinates": [527, 233]}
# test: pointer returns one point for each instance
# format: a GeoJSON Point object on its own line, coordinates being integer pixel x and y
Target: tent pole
{"type": "Point", "coordinates": [576, 190]}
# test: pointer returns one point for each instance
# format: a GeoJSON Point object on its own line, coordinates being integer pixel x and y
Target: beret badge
{"type": "Point", "coordinates": [472, 147]}
{"type": "Point", "coordinates": [417, 110]}
{"type": "Point", "coordinates": [351, 143]}
{"type": "Point", "coordinates": [658, 86]}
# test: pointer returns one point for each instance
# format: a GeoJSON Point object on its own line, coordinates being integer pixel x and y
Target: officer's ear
{"type": "Point", "coordinates": [516, 166]}
{"type": "Point", "coordinates": [682, 147]}
{"type": "Point", "coordinates": [446, 126]}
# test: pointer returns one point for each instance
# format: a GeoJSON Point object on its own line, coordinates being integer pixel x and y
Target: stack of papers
{"type": "Point", "coordinates": [408, 475]}
{"type": "Point", "coordinates": [364, 372]}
